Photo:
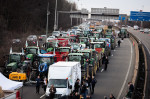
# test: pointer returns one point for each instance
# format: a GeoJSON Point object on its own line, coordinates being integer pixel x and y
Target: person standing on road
{"type": "Point", "coordinates": [38, 84]}
{"type": "Point", "coordinates": [119, 43]}
{"type": "Point", "coordinates": [52, 91]}
{"type": "Point", "coordinates": [77, 85]}
{"type": "Point", "coordinates": [83, 90]}
{"type": "Point", "coordinates": [45, 84]}
{"type": "Point", "coordinates": [106, 62]}
{"type": "Point", "coordinates": [111, 96]}
{"type": "Point", "coordinates": [94, 81]}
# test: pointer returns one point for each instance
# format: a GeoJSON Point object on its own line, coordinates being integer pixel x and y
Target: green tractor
{"type": "Point", "coordinates": [15, 61]}
{"type": "Point", "coordinates": [123, 33]}
{"type": "Point", "coordinates": [80, 57]}
{"type": "Point", "coordinates": [113, 40]}
{"type": "Point", "coordinates": [92, 60]}
{"type": "Point", "coordinates": [32, 53]}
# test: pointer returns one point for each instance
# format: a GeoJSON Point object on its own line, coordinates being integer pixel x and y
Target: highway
{"type": "Point", "coordinates": [145, 39]}
{"type": "Point", "coordinates": [119, 73]}
{"type": "Point", "coordinates": [114, 80]}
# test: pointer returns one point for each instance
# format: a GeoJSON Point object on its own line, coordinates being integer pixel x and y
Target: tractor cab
{"type": "Point", "coordinates": [14, 62]}
{"type": "Point", "coordinates": [91, 60]}
{"type": "Point", "coordinates": [80, 57]}
{"type": "Point", "coordinates": [75, 47]}
{"type": "Point", "coordinates": [45, 60]}
{"type": "Point", "coordinates": [74, 38]}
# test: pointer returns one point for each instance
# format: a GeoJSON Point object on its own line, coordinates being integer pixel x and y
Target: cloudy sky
{"type": "Point", "coordinates": [125, 6]}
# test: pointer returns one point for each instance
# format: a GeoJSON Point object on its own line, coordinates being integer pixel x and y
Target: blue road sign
{"type": "Point", "coordinates": [123, 17]}
{"type": "Point", "coordinates": [139, 16]}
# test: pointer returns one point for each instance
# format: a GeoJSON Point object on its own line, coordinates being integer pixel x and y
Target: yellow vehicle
{"type": "Point", "coordinates": [18, 76]}
{"type": "Point", "coordinates": [105, 29]}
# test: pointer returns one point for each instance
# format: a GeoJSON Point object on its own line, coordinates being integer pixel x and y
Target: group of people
{"type": "Point", "coordinates": [38, 84]}
{"type": "Point", "coordinates": [85, 89]}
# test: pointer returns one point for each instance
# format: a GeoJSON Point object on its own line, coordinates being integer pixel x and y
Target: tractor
{"type": "Point", "coordinates": [14, 62]}
{"type": "Point", "coordinates": [123, 33]}
{"type": "Point", "coordinates": [91, 60]}
{"type": "Point", "coordinates": [44, 61]}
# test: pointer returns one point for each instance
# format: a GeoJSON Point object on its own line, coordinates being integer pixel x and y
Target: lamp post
{"type": "Point", "coordinates": [55, 23]}
{"type": "Point", "coordinates": [48, 13]}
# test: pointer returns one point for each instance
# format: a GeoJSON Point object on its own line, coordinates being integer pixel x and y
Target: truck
{"type": "Point", "coordinates": [63, 76]}
{"type": "Point", "coordinates": [80, 57]}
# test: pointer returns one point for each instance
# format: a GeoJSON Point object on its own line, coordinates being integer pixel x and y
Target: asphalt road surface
{"type": "Point", "coordinates": [114, 80]}
{"type": "Point", "coordinates": [118, 74]}
{"type": "Point", "coordinates": [145, 39]}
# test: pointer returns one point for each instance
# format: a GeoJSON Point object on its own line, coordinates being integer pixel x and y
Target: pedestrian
{"type": "Point", "coordinates": [90, 81]}
{"type": "Point", "coordinates": [52, 91]}
{"type": "Point", "coordinates": [38, 79]}
{"type": "Point", "coordinates": [104, 57]}
{"type": "Point", "coordinates": [94, 81]}
{"type": "Point", "coordinates": [111, 96]}
{"type": "Point", "coordinates": [76, 96]}
{"type": "Point", "coordinates": [131, 87]}
{"type": "Point", "coordinates": [106, 62]}
{"type": "Point", "coordinates": [130, 90]}
{"type": "Point", "coordinates": [119, 43]}
{"type": "Point", "coordinates": [77, 85]}
{"type": "Point", "coordinates": [83, 89]}
{"type": "Point", "coordinates": [45, 84]}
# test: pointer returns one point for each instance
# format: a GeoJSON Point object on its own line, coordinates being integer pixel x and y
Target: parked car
{"type": "Point", "coordinates": [146, 30]}
{"type": "Point", "coordinates": [50, 38]}
{"type": "Point", "coordinates": [32, 38]}
{"type": "Point", "coordinates": [42, 37]}
{"type": "Point", "coordinates": [16, 41]}
{"type": "Point", "coordinates": [141, 30]}
{"type": "Point", "coordinates": [136, 27]}
{"type": "Point", "coordinates": [56, 33]}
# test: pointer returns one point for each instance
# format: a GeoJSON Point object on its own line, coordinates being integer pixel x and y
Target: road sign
{"type": "Point", "coordinates": [139, 16]}
{"type": "Point", "coordinates": [123, 17]}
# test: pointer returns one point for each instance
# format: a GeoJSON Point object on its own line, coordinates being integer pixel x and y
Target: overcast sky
{"type": "Point", "coordinates": [125, 6]}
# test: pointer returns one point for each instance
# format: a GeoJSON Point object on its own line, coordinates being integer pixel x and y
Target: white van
{"type": "Point", "coordinates": [63, 76]}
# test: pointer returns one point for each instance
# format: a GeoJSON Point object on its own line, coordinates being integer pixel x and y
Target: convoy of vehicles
{"type": "Point", "coordinates": [68, 56]}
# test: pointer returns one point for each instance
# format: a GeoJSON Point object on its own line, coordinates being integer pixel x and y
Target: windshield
{"type": "Point", "coordinates": [75, 46]}
{"type": "Point", "coordinates": [55, 33]}
{"type": "Point", "coordinates": [74, 58]}
{"type": "Point", "coordinates": [97, 46]}
{"type": "Point", "coordinates": [47, 60]}
{"type": "Point", "coordinates": [75, 27]}
{"type": "Point", "coordinates": [31, 51]}
{"type": "Point", "coordinates": [58, 83]}
{"type": "Point", "coordinates": [64, 50]}
{"type": "Point", "coordinates": [15, 58]}
{"type": "Point", "coordinates": [83, 40]}
{"type": "Point", "coordinates": [122, 30]}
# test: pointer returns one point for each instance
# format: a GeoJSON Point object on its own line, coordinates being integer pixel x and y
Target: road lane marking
{"type": "Point", "coordinates": [125, 80]}
{"type": "Point", "coordinates": [42, 96]}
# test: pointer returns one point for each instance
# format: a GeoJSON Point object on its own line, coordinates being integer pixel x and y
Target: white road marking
{"type": "Point", "coordinates": [42, 96]}
{"type": "Point", "coordinates": [125, 80]}
{"type": "Point", "coordinates": [102, 70]}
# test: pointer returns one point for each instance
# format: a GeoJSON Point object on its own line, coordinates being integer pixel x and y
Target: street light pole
{"type": "Point", "coordinates": [71, 11]}
{"type": "Point", "coordinates": [55, 23]}
{"type": "Point", "coordinates": [48, 13]}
